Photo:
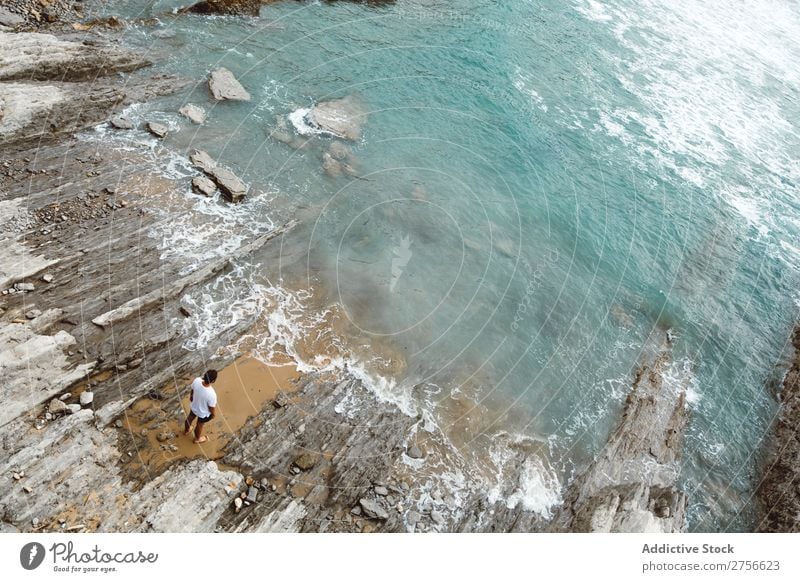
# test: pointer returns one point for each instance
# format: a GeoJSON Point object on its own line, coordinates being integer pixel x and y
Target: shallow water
{"type": "Point", "coordinates": [540, 184]}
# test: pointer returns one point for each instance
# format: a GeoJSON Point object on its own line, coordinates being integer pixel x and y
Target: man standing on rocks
{"type": "Point", "coordinates": [203, 407]}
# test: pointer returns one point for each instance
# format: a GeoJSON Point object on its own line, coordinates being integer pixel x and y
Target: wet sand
{"type": "Point", "coordinates": [243, 388]}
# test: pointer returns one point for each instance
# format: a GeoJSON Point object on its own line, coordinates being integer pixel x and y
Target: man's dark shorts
{"type": "Point", "coordinates": [204, 420]}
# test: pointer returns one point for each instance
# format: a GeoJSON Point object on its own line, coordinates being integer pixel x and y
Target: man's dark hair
{"type": "Point", "coordinates": [209, 376]}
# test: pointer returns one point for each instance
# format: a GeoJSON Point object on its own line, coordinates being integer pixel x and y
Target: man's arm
{"type": "Point", "coordinates": [213, 411]}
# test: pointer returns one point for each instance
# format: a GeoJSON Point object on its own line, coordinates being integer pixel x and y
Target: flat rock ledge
{"type": "Point", "coordinates": [631, 486]}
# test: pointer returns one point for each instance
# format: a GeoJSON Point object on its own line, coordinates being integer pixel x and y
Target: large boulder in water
{"type": "Point", "coordinates": [340, 117]}
{"type": "Point", "coordinates": [223, 85]}
{"type": "Point", "coordinates": [229, 7]}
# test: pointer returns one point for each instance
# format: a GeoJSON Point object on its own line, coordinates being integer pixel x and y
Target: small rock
{"type": "Point", "coordinates": [414, 452]}
{"type": "Point", "coordinates": [381, 490]}
{"type": "Point", "coordinates": [25, 287]}
{"type": "Point", "coordinates": [27, 489]}
{"type": "Point", "coordinates": [57, 407]}
{"type": "Point", "coordinates": [238, 504]}
{"type": "Point", "coordinates": [66, 396]}
{"type": "Point", "coordinates": [33, 314]}
{"type": "Point", "coordinates": [135, 364]}
{"type": "Point", "coordinates": [73, 408]}
{"type": "Point", "coordinates": [274, 487]}
{"type": "Point", "coordinates": [264, 483]}
{"type": "Point", "coordinates": [223, 85]}
{"type": "Point", "coordinates": [157, 129]}
{"type": "Point", "coordinates": [204, 186]}
{"type": "Point", "coordinates": [16, 476]}
{"type": "Point", "coordinates": [356, 510]}
{"type": "Point", "coordinates": [48, 416]}
{"type": "Point", "coordinates": [163, 437]}
{"type": "Point", "coordinates": [193, 113]}
{"type": "Point", "coordinates": [372, 509]}
{"type": "Point", "coordinates": [35, 521]}
{"type": "Point", "coordinates": [306, 461]}
{"type": "Point", "coordinates": [249, 480]}
{"type": "Point", "coordinates": [86, 398]}
{"type": "Point", "coordinates": [412, 517]}
{"type": "Point", "coordinates": [437, 517]}
{"type": "Point", "coordinates": [47, 278]}
{"type": "Point", "coordinates": [252, 494]}
{"type": "Point", "coordinates": [118, 423]}
{"type": "Point", "coordinates": [121, 123]}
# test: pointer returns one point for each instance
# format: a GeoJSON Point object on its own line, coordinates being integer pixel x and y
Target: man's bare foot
{"type": "Point", "coordinates": [201, 440]}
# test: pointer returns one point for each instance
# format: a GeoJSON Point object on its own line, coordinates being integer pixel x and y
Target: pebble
{"type": "Point", "coordinates": [381, 490]}
{"type": "Point", "coordinates": [412, 517]}
{"type": "Point", "coordinates": [252, 495]}
{"type": "Point", "coordinates": [414, 452]}
{"type": "Point", "coordinates": [437, 517]}
{"type": "Point", "coordinates": [238, 504]}
{"type": "Point", "coordinates": [35, 521]}
{"type": "Point", "coordinates": [86, 398]}
{"type": "Point", "coordinates": [27, 489]}
{"type": "Point", "coordinates": [118, 423]}
{"type": "Point", "coordinates": [24, 287]}
{"type": "Point", "coordinates": [66, 396]}
{"type": "Point", "coordinates": [57, 406]}
{"type": "Point", "coordinates": [16, 476]}
{"type": "Point", "coordinates": [47, 278]}
{"type": "Point", "coordinates": [73, 408]}
{"type": "Point", "coordinates": [356, 510]}
{"type": "Point", "coordinates": [33, 314]}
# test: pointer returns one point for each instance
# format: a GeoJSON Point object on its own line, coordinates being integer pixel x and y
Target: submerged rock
{"type": "Point", "coordinates": [224, 86]}
{"type": "Point", "coordinates": [340, 117]}
{"type": "Point", "coordinates": [193, 113]}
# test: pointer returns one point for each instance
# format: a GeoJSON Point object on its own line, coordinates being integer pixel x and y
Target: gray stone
{"type": "Point", "coordinates": [8, 18]}
{"type": "Point", "coordinates": [86, 398]}
{"type": "Point", "coordinates": [373, 510]}
{"type": "Point", "coordinates": [157, 129]}
{"type": "Point", "coordinates": [414, 452]}
{"type": "Point", "coordinates": [231, 186]}
{"type": "Point", "coordinates": [356, 510]}
{"type": "Point", "coordinates": [224, 86]}
{"type": "Point", "coordinates": [381, 490]}
{"type": "Point", "coordinates": [252, 494]}
{"type": "Point", "coordinates": [203, 185]}
{"type": "Point", "coordinates": [73, 408]}
{"type": "Point", "coordinates": [65, 396]}
{"type": "Point", "coordinates": [163, 437]}
{"type": "Point", "coordinates": [28, 287]}
{"type": "Point", "coordinates": [33, 314]}
{"type": "Point", "coordinates": [437, 517]}
{"type": "Point", "coordinates": [47, 278]}
{"type": "Point", "coordinates": [57, 407]}
{"type": "Point", "coordinates": [119, 122]}
{"type": "Point", "coordinates": [193, 113]}
{"type": "Point", "coordinates": [412, 517]}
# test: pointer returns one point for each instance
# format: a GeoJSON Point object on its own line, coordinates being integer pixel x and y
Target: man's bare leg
{"type": "Point", "coordinates": [198, 433]}
{"type": "Point", "coordinates": [188, 424]}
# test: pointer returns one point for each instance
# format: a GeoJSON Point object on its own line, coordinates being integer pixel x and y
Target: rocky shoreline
{"type": "Point", "coordinates": [85, 335]}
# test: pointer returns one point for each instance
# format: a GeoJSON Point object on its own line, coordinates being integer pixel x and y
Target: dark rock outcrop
{"type": "Point", "coordinates": [779, 490]}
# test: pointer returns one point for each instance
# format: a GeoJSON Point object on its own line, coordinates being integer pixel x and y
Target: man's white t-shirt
{"type": "Point", "coordinates": [202, 398]}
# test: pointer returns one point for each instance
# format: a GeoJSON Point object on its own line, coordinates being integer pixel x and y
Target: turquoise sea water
{"type": "Point", "coordinates": [541, 184]}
